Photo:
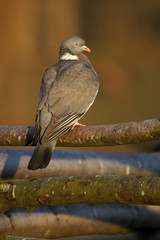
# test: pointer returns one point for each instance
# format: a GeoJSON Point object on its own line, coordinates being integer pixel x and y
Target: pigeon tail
{"type": "Point", "coordinates": [41, 155]}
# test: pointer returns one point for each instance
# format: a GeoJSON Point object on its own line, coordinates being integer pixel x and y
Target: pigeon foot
{"type": "Point", "coordinates": [77, 124]}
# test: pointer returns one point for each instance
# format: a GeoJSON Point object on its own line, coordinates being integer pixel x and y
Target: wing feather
{"type": "Point", "coordinates": [61, 127]}
{"type": "Point", "coordinates": [69, 97]}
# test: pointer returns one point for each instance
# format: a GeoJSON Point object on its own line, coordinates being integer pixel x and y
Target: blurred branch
{"type": "Point", "coordinates": [76, 220]}
{"type": "Point", "coordinates": [31, 193]}
{"type": "Point", "coordinates": [13, 164]}
{"type": "Point", "coordinates": [108, 135]}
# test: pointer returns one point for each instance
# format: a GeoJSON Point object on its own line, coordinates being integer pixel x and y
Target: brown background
{"type": "Point", "coordinates": [124, 37]}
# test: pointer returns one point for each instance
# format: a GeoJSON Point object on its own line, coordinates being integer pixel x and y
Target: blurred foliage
{"type": "Point", "coordinates": [124, 37]}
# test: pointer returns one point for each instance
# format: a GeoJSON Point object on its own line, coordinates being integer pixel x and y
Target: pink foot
{"type": "Point", "coordinates": [77, 124]}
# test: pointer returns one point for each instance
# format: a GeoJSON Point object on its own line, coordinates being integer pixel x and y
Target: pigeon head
{"type": "Point", "coordinates": [71, 47]}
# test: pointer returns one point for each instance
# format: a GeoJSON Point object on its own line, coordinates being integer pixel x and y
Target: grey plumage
{"type": "Point", "coordinates": [71, 45]}
{"type": "Point", "coordinates": [68, 90]}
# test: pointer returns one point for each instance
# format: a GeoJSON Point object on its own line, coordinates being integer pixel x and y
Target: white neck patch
{"type": "Point", "coordinates": [68, 56]}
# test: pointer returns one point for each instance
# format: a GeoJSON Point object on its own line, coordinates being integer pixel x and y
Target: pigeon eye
{"type": "Point", "coordinates": [76, 44]}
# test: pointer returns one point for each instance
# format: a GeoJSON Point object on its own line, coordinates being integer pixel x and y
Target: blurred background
{"type": "Point", "coordinates": [124, 37]}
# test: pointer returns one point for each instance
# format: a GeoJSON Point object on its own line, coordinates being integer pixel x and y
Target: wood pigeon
{"type": "Point", "coordinates": [67, 91]}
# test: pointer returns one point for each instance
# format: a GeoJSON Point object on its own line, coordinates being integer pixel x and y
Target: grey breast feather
{"type": "Point", "coordinates": [69, 97]}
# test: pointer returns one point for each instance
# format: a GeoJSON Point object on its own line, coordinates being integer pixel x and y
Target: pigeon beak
{"type": "Point", "coordinates": [84, 48]}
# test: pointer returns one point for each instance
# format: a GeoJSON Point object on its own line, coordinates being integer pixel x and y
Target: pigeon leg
{"type": "Point", "coordinates": [77, 124]}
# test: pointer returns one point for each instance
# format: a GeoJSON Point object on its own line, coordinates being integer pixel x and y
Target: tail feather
{"type": "Point", "coordinates": [41, 155]}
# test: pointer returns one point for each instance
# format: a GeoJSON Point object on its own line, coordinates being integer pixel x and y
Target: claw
{"type": "Point", "coordinates": [77, 124]}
